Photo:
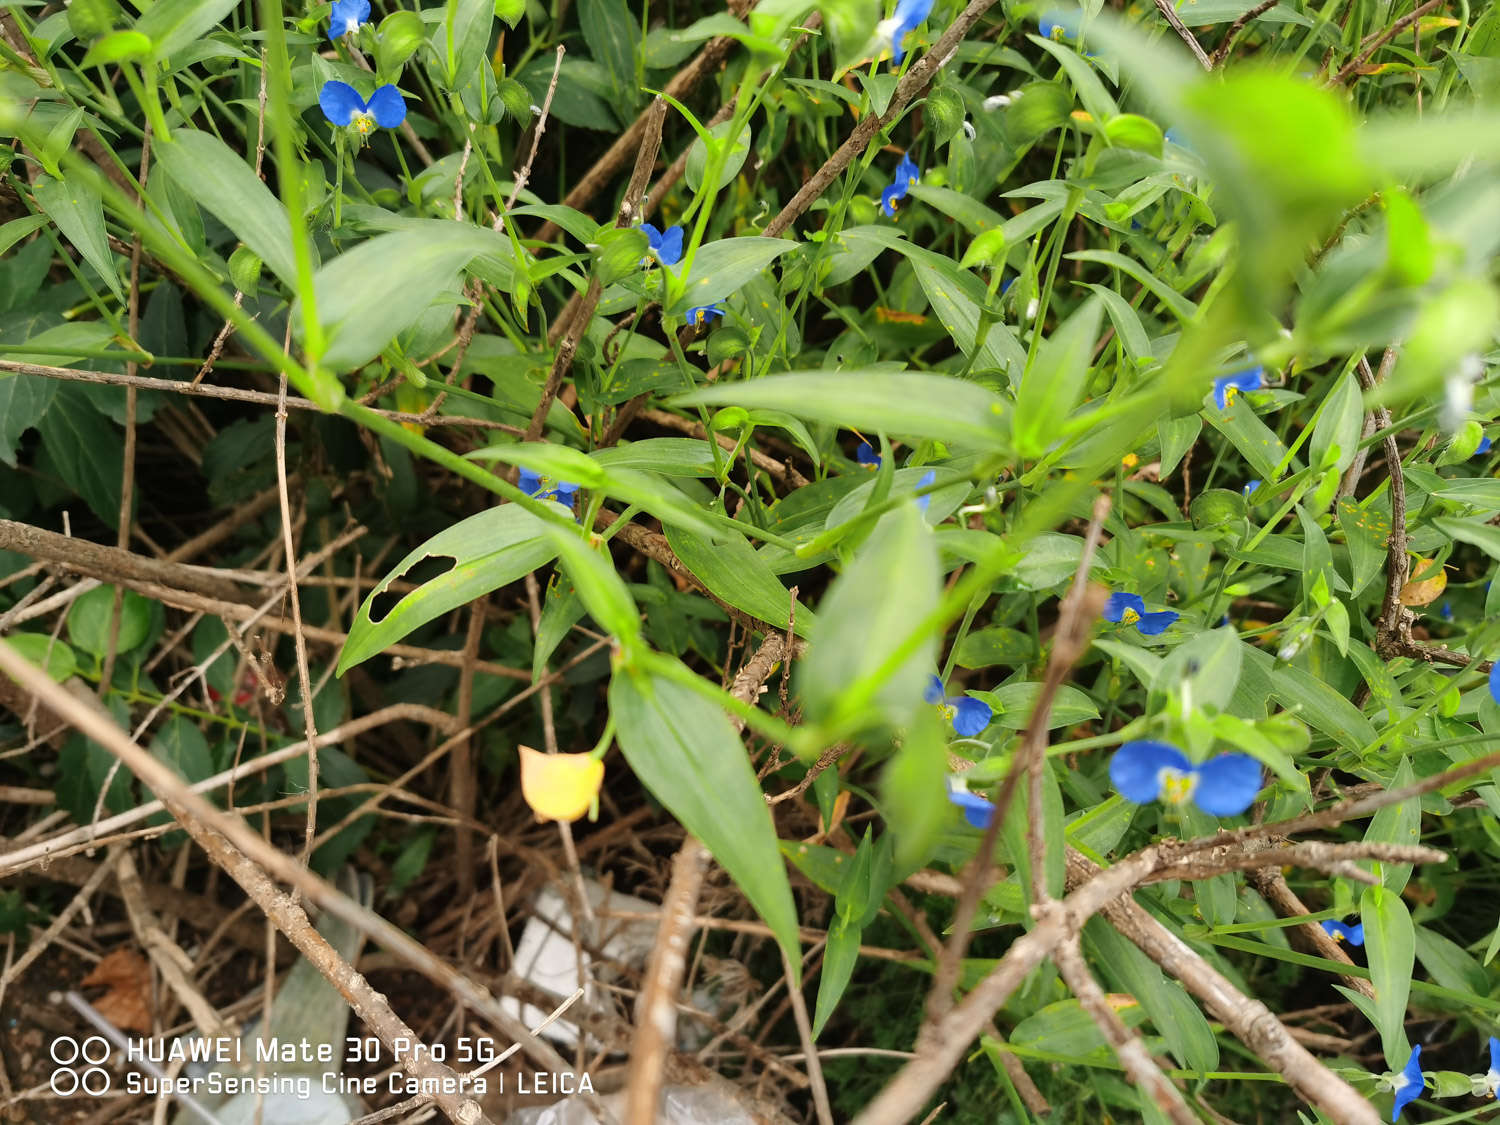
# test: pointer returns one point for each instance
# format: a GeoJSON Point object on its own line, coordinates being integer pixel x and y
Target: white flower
{"type": "Point", "coordinates": [969, 129]}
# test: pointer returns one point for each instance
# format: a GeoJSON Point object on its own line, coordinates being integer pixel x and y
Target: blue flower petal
{"type": "Point", "coordinates": [1494, 1070]}
{"type": "Point", "coordinates": [1135, 770]}
{"type": "Point", "coordinates": [909, 14]}
{"type": "Point", "coordinates": [1227, 784]}
{"type": "Point", "coordinates": [970, 716]}
{"type": "Point", "coordinates": [700, 315]}
{"type": "Point", "coordinates": [565, 491]}
{"type": "Point", "coordinates": [927, 478]}
{"type": "Point", "coordinates": [1153, 623]}
{"type": "Point", "coordinates": [1410, 1092]}
{"type": "Point", "coordinates": [1114, 609]}
{"type": "Point", "coordinates": [867, 456]}
{"type": "Point", "coordinates": [388, 107]}
{"type": "Point", "coordinates": [1354, 935]}
{"type": "Point", "coordinates": [1250, 487]}
{"type": "Point", "coordinates": [1251, 379]}
{"type": "Point", "coordinates": [933, 693]}
{"type": "Point", "coordinates": [1495, 681]}
{"type": "Point", "coordinates": [907, 172]}
{"type": "Point", "coordinates": [1482, 447]}
{"type": "Point", "coordinates": [977, 811]}
{"type": "Point", "coordinates": [346, 16]}
{"type": "Point", "coordinates": [340, 102]}
{"type": "Point", "coordinates": [529, 482]}
{"type": "Point", "coordinates": [888, 198]}
{"type": "Point", "coordinates": [669, 251]}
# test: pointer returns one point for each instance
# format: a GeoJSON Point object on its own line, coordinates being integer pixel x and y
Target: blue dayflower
{"type": "Point", "coordinates": [1354, 935]}
{"type": "Point", "coordinates": [1445, 611]}
{"type": "Point", "coordinates": [343, 106]}
{"type": "Point", "coordinates": [928, 478]}
{"type": "Point", "coordinates": [908, 15]}
{"type": "Point", "coordinates": [1227, 386]}
{"type": "Point", "coordinates": [968, 716]}
{"type": "Point", "coordinates": [665, 245]}
{"type": "Point", "coordinates": [1129, 609]}
{"type": "Point", "coordinates": [1249, 489]}
{"type": "Point", "coordinates": [1146, 771]}
{"type": "Point", "coordinates": [1057, 25]}
{"type": "Point", "coordinates": [700, 315]}
{"type": "Point", "coordinates": [907, 173]}
{"type": "Point", "coordinates": [543, 487]}
{"type": "Point", "coordinates": [1495, 681]}
{"type": "Point", "coordinates": [977, 810]}
{"type": "Point", "coordinates": [867, 456]}
{"type": "Point", "coordinates": [346, 17]}
{"type": "Point", "coordinates": [1492, 1076]}
{"type": "Point", "coordinates": [1482, 447]}
{"type": "Point", "coordinates": [1408, 1085]}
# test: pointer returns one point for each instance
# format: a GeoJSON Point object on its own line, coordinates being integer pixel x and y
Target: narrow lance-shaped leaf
{"type": "Point", "coordinates": [686, 752]}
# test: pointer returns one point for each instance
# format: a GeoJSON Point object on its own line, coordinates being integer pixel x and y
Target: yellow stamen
{"type": "Point", "coordinates": [1129, 617]}
{"type": "Point", "coordinates": [364, 123]}
{"type": "Point", "coordinates": [1229, 392]}
{"type": "Point", "coordinates": [1130, 460]}
{"type": "Point", "coordinates": [560, 786]}
{"type": "Point", "coordinates": [1177, 786]}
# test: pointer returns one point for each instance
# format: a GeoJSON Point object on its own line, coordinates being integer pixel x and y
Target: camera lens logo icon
{"type": "Point", "coordinates": [78, 1066]}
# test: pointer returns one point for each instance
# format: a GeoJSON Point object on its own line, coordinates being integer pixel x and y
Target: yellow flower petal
{"type": "Point", "coordinates": [560, 786]}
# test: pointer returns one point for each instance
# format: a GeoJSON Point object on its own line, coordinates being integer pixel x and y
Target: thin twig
{"type": "Point", "coordinates": [1140, 1067]}
{"type": "Point", "coordinates": [1174, 21]}
{"type": "Point", "coordinates": [1221, 52]}
{"type": "Point", "coordinates": [1376, 40]}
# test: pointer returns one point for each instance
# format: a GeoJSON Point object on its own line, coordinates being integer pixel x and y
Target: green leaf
{"type": "Point", "coordinates": [89, 617]}
{"type": "Point", "coordinates": [839, 958]}
{"type": "Point", "coordinates": [364, 304]}
{"type": "Point", "coordinates": [1482, 535]}
{"type": "Point", "coordinates": [220, 181]}
{"type": "Point", "coordinates": [731, 569]}
{"type": "Point", "coordinates": [1257, 443]}
{"type": "Point", "coordinates": [172, 25]}
{"type": "Point", "coordinates": [724, 266]}
{"type": "Point", "coordinates": [24, 399]}
{"type": "Point", "coordinates": [1338, 426]}
{"type": "Point", "coordinates": [75, 207]}
{"type": "Point", "coordinates": [1449, 964]}
{"type": "Point", "coordinates": [1396, 824]}
{"type": "Point", "coordinates": [734, 159]}
{"type": "Point", "coordinates": [984, 648]}
{"type": "Point", "coordinates": [601, 589]}
{"type": "Point", "coordinates": [470, 22]}
{"type": "Point", "coordinates": [1176, 1018]}
{"type": "Point", "coordinates": [46, 652]}
{"type": "Point", "coordinates": [863, 619]}
{"type": "Point", "coordinates": [1391, 946]}
{"type": "Point", "coordinates": [562, 609]}
{"type": "Point", "coordinates": [1013, 705]}
{"type": "Point", "coordinates": [613, 35]}
{"type": "Point", "coordinates": [906, 405]}
{"type": "Point", "coordinates": [482, 553]}
{"type": "Point", "coordinates": [684, 750]}
{"type": "Point", "coordinates": [914, 791]}
{"type": "Point", "coordinates": [116, 47]}
{"type": "Point", "coordinates": [1052, 386]}
{"type": "Point", "coordinates": [1208, 666]}
{"type": "Point", "coordinates": [86, 450]}
{"type": "Point", "coordinates": [1085, 79]}
{"type": "Point", "coordinates": [181, 745]}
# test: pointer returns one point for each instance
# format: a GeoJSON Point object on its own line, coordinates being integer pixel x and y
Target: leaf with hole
{"type": "Point", "coordinates": [471, 558]}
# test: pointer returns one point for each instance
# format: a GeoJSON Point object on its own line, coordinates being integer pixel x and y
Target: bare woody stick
{"type": "Point", "coordinates": [1251, 1022]}
{"type": "Point", "coordinates": [1140, 1067]}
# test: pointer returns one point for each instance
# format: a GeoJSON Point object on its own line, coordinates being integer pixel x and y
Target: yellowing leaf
{"type": "Point", "coordinates": [1429, 589]}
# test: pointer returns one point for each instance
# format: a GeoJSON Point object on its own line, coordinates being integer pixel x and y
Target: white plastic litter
{"type": "Point", "coordinates": [546, 956]}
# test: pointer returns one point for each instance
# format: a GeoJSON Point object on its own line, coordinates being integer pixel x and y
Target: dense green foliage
{"type": "Point", "coordinates": [918, 379]}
